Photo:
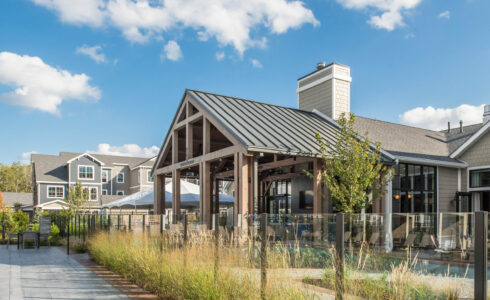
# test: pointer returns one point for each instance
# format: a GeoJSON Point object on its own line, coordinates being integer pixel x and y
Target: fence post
{"type": "Point", "coordinates": [481, 231]}
{"type": "Point", "coordinates": [68, 236]}
{"type": "Point", "coordinates": [216, 246]}
{"type": "Point", "coordinates": [84, 226]}
{"type": "Point", "coordinates": [263, 255]}
{"type": "Point", "coordinates": [101, 217]}
{"type": "Point", "coordinates": [339, 251]}
{"type": "Point", "coordinates": [185, 228]}
{"type": "Point", "coordinates": [144, 222]}
{"type": "Point", "coordinates": [129, 223]}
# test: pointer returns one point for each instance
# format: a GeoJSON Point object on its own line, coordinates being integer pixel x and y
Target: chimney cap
{"type": "Point", "coordinates": [321, 65]}
{"type": "Point", "coordinates": [486, 114]}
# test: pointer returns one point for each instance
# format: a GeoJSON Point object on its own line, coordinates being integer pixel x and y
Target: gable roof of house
{"type": "Point", "coordinates": [53, 167]}
{"type": "Point", "coordinates": [12, 198]}
{"type": "Point", "coordinates": [260, 126]}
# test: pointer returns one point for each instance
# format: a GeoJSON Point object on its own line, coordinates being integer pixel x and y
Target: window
{"type": "Point", "coordinates": [480, 178]}
{"type": "Point", "coordinates": [92, 193]}
{"type": "Point", "coordinates": [306, 199]}
{"type": "Point", "coordinates": [105, 176]}
{"type": "Point", "coordinates": [56, 192]}
{"type": "Point", "coordinates": [120, 177]}
{"type": "Point", "coordinates": [85, 172]}
{"type": "Point", "coordinates": [414, 189]}
{"type": "Point", "coordinates": [139, 177]}
{"type": "Point", "coordinates": [104, 192]}
{"type": "Point", "coordinates": [120, 193]}
{"type": "Point", "coordinates": [149, 178]}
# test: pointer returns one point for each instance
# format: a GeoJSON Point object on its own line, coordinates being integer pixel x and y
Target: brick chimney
{"type": "Point", "coordinates": [326, 89]}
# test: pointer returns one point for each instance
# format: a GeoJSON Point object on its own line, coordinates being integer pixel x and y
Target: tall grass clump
{"type": "Point", "coordinates": [193, 270]}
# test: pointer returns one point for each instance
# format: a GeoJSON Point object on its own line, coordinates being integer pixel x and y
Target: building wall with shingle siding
{"type": "Point", "coordinates": [342, 97]}
{"type": "Point", "coordinates": [477, 155]}
{"type": "Point", "coordinates": [107, 186]}
{"type": "Point", "coordinates": [43, 192]}
{"type": "Point", "coordinates": [84, 161]}
{"type": "Point", "coordinates": [447, 186]}
{"type": "Point", "coordinates": [121, 186]}
{"type": "Point", "coordinates": [319, 97]}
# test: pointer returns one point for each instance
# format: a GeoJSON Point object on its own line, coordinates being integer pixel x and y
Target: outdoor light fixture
{"type": "Point", "coordinates": [409, 196]}
{"type": "Point", "coordinates": [397, 197]}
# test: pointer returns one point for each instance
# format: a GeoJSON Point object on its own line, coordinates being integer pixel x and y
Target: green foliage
{"type": "Point", "coordinates": [55, 231]}
{"type": "Point", "coordinates": [353, 170]}
{"type": "Point", "coordinates": [21, 221]}
{"type": "Point", "coordinates": [76, 198]}
{"type": "Point", "coordinates": [6, 217]}
{"type": "Point", "coordinates": [16, 178]}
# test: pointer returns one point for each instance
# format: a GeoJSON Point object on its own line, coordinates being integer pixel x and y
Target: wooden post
{"type": "Point", "coordinates": [206, 194]}
{"type": "Point", "coordinates": [159, 194]}
{"type": "Point", "coordinates": [244, 191]}
{"type": "Point", "coordinates": [176, 194]}
{"type": "Point", "coordinates": [206, 136]}
{"type": "Point", "coordinates": [175, 147]}
{"type": "Point", "coordinates": [263, 255]}
{"type": "Point", "coordinates": [216, 196]}
{"type": "Point", "coordinates": [236, 185]}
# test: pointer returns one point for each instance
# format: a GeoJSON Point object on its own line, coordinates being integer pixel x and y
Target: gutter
{"type": "Point", "coordinates": [432, 162]}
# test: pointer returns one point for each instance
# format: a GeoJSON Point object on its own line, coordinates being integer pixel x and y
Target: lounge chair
{"type": "Point", "coordinates": [409, 240]}
{"type": "Point", "coordinates": [29, 236]}
{"type": "Point", "coordinates": [45, 229]}
{"type": "Point", "coordinates": [12, 236]}
{"type": "Point", "coordinates": [373, 239]}
{"type": "Point", "coordinates": [347, 235]}
{"type": "Point", "coordinates": [426, 241]}
{"type": "Point", "coordinates": [443, 251]}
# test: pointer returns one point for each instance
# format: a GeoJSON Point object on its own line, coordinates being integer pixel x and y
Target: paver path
{"type": "Point", "coordinates": [48, 273]}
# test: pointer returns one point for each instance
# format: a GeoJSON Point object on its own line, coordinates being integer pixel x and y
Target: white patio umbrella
{"type": "Point", "coordinates": [189, 197]}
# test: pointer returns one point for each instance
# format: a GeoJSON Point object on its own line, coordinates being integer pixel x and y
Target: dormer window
{"type": "Point", "coordinates": [85, 172]}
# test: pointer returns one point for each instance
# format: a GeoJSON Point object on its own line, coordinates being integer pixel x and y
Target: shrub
{"type": "Point", "coordinates": [21, 221]}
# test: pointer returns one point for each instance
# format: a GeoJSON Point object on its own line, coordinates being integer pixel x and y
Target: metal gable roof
{"type": "Point", "coordinates": [260, 126]}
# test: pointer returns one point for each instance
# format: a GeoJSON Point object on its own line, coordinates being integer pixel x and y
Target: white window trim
{"type": "Point", "coordinates": [55, 186]}
{"type": "Point", "coordinates": [117, 192]}
{"type": "Point", "coordinates": [117, 177]}
{"type": "Point", "coordinates": [97, 193]}
{"type": "Point", "coordinates": [480, 189]}
{"type": "Point", "coordinates": [102, 177]}
{"type": "Point", "coordinates": [86, 166]}
{"type": "Point", "coordinates": [106, 192]}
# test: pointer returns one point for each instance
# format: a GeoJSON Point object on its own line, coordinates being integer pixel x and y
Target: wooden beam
{"type": "Point", "coordinates": [192, 119]}
{"type": "Point", "coordinates": [175, 147]}
{"type": "Point", "coordinates": [226, 152]}
{"type": "Point", "coordinates": [244, 185]}
{"type": "Point", "coordinates": [206, 136]}
{"type": "Point", "coordinates": [189, 134]}
{"type": "Point", "coordinates": [282, 177]}
{"type": "Point", "coordinates": [216, 196]}
{"type": "Point", "coordinates": [285, 162]}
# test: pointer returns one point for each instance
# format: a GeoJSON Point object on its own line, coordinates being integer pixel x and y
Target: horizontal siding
{"type": "Point", "coordinates": [319, 97]}
{"type": "Point", "coordinates": [448, 186]}
{"type": "Point", "coordinates": [479, 153]}
{"type": "Point", "coordinates": [315, 77]}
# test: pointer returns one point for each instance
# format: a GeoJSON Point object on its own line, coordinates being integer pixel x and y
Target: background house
{"type": "Point", "coordinates": [106, 177]}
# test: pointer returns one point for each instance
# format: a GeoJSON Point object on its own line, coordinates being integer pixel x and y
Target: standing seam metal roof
{"type": "Point", "coordinates": [263, 125]}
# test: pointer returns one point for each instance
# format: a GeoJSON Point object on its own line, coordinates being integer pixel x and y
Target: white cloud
{"type": "Point", "coordinates": [437, 118]}
{"type": "Point", "coordinates": [37, 85]}
{"type": "Point", "coordinates": [220, 56]}
{"type": "Point", "coordinates": [230, 22]}
{"type": "Point", "coordinates": [389, 12]}
{"type": "Point", "coordinates": [25, 158]}
{"type": "Point", "coordinates": [256, 63]}
{"type": "Point", "coordinates": [94, 52]}
{"type": "Point", "coordinates": [126, 150]}
{"type": "Point", "coordinates": [171, 51]}
{"type": "Point", "coordinates": [444, 15]}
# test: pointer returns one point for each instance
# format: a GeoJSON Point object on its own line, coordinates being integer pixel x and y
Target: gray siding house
{"type": "Point", "coordinates": [105, 177]}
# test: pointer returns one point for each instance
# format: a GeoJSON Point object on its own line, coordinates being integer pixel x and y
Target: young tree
{"type": "Point", "coordinates": [353, 169]}
{"type": "Point", "coordinates": [76, 198]}
{"type": "Point", "coordinates": [16, 178]}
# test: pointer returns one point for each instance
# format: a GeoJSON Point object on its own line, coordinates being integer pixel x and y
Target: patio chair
{"type": "Point", "coordinates": [426, 241]}
{"type": "Point", "coordinates": [29, 236]}
{"type": "Point", "coordinates": [373, 239]}
{"type": "Point", "coordinates": [12, 236]}
{"type": "Point", "coordinates": [45, 229]}
{"type": "Point", "coordinates": [443, 251]}
{"type": "Point", "coordinates": [409, 240]}
{"type": "Point", "coordinates": [347, 235]}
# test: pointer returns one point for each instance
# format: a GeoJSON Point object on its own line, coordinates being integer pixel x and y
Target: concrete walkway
{"type": "Point", "coordinates": [48, 273]}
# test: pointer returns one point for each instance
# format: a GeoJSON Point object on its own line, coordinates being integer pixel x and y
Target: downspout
{"type": "Point", "coordinates": [256, 182]}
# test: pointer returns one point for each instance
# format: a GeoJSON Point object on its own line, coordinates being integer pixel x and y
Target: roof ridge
{"type": "Point", "coordinates": [250, 100]}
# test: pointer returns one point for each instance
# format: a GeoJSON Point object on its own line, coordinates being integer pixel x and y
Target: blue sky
{"type": "Point", "coordinates": [412, 61]}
